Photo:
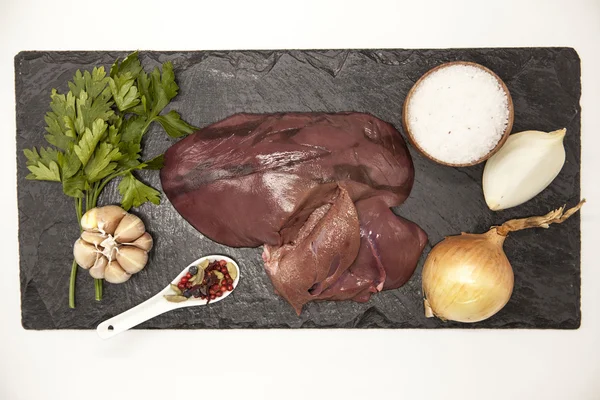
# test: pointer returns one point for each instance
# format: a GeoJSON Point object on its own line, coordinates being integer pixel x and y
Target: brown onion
{"type": "Point", "coordinates": [468, 278]}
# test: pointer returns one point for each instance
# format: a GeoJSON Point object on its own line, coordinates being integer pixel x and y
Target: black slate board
{"type": "Point", "coordinates": [545, 86]}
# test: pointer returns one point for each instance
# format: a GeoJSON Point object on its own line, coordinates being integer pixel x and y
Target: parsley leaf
{"type": "Point", "coordinates": [124, 92]}
{"type": "Point", "coordinates": [114, 137]}
{"type": "Point", "coordinates": [32, 156]}
{"type": "Point", "coordinates": [136, 193]}
{"type": "Point", "coordinates": [91, 109]}
{"type": "Point", "coordinates": [90, 138]}
{"type": "Point", "coordinates": [130, 145]}
{"type": "Point", "coordinates": [131, 64]}
{"type": "Point", "coordinates": [156, 90]}
{"type": "Point", "coordinates": [158, 94]}
{"type": "Point", "coordinates": [75, 186]}
{"type": "Point", "coordinates": [93, 84]}
{"type": "Point", "coordinates": [143, 84]}
{"type": "Point", "coordinates": [69, 163]}
{"type": "Point", "coordinates": [156, 163]}
{"type": "Point", "coordinates": [43, 165]}
{"type": "Point", "coordinates": [44, 172]}
{"type": "Point", "coordinates": [174, 125]}
{"type": "Point", "coordinates": [132, 129]}
{"type": "Point", "coordinates": [102, 163]}
{"type": "Point", "coordinates": [46, 155]}
{"type": "Point", "coordinates": [60, 120]}
{"type": "Point", "coordinates": [122, 81]}
{"type": "Point", "coordinates": [167, 80]}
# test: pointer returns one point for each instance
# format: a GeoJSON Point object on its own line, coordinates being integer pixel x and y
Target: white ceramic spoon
{"type": "Point", "coordinates": [158, 304]}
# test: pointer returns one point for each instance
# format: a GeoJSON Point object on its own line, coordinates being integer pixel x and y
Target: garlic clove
{"type": "Point", "coordinates": [527, 163]}
{"type": "Point", "coordinates": [144, 242]}
{"type": "Point", "coordinates": [95, 238]}
{"type": "Point", "coordinates": [89, 220]}
{"type": "Point", "coordinates": [129, 229]}
{"type": "Point", "coordinates": [97, 270]}
{"type": "Point", "coordinates": [131, 259]}
{"type": "Point", "coordinates": [105, 219]}
{"type": "Point", "coordinates": [85, 254]}
{"type": "Point", "coordinates": [114, 273]}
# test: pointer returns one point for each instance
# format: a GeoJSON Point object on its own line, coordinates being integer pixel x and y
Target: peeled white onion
{"type": "Point", "coordinates": [526, 164]}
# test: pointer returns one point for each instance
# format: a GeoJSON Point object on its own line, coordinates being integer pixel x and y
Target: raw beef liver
{"type": "Point", "coordinates": [315, 189]}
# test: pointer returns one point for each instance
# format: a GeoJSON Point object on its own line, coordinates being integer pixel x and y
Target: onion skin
{"type": "Point", "coordinates": [467, 278]}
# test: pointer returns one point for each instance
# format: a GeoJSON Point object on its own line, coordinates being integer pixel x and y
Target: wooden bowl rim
{"type": "Point", "coordinates": [507, 130]}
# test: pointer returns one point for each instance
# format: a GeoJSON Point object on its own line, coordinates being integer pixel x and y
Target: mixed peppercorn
{"type": "Point", "coordinates": [206, 281]}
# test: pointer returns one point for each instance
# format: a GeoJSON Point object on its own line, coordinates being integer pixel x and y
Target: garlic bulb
{"type": "Point", "coordinates": [113, 245]}
{"type": "Point", "coordinates": [526, 164]}
{"type": "Point", "coordinates": [468, 278]}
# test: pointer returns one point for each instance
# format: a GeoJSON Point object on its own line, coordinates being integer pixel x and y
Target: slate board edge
{"type": "Point", "coordinates": [26, 54]}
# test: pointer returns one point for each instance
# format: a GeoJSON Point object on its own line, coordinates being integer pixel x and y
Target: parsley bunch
{"type": "Point", "coordinates": [96, 132]}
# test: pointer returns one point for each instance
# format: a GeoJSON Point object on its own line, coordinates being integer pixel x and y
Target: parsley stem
{"type": "Point", "coordinates": [98, 287]}
{"type": "Point", "coordinates": [96, 193]}
{"type": "Point", "coordinates": [147, 124]}
{"type": "Point", "coordinates": [109, 178]}
{"type": "Point", "coordinates": [102, 184]}
{"type": "Point", "coordinates": [91, 199]}
{"type": "Point", "coordinates": [73, 278]}
{"type": "Point", "coordinates": [72, 284]}
{"type": "Point", "coordinates": [79, 212]}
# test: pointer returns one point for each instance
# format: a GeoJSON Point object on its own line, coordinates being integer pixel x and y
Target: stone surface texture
{"type": "Point", "coordinates": [545, 87]}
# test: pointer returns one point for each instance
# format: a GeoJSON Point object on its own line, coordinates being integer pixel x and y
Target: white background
{"type": "Point", "coordinates": [450, 364]}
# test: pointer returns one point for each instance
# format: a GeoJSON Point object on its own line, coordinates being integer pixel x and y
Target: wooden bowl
{"type": "Point", "coordinates": [511, 114]}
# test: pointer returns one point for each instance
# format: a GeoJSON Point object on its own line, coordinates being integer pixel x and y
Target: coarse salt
{"type": "Point", "coordinates": [458, 113]}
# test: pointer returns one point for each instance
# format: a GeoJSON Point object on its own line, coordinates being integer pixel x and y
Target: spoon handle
{"type": "Point", "coordinates": [148, 309]}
